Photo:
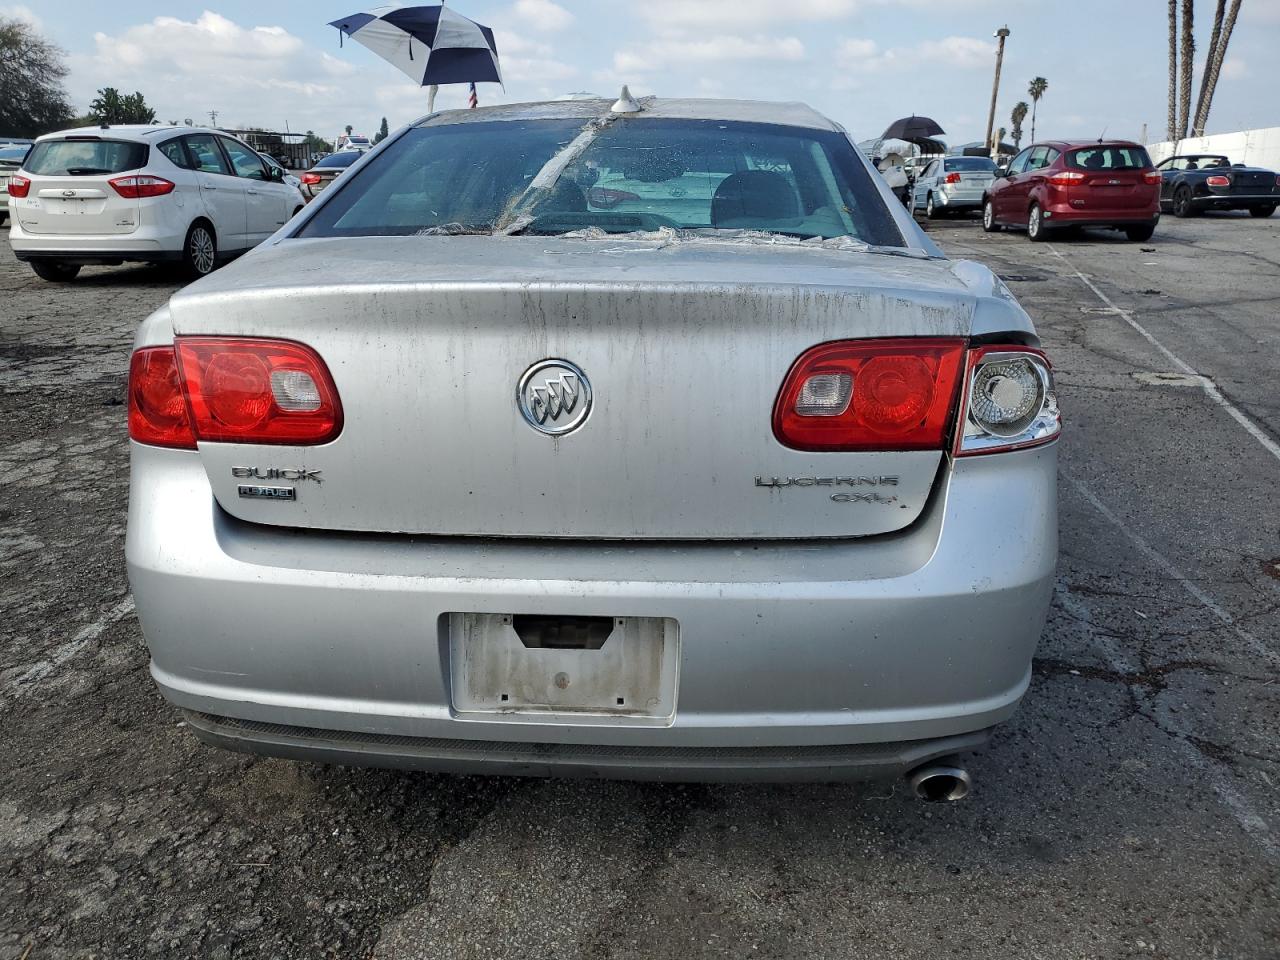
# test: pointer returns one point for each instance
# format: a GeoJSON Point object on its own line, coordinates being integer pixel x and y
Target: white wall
{"type": "Point", "coordinates": [1257, 148]}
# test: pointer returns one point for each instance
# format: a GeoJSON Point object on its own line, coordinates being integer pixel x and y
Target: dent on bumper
{"type": "Point", "coordinates": [924, 634]}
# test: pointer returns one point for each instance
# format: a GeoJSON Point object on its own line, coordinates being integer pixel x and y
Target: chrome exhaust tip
{"type": "Point", "coordinates": [939, 783]}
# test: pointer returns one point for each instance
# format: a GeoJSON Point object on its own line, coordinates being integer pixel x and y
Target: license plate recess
{"type": "Point", "coordinates": [532, 666]}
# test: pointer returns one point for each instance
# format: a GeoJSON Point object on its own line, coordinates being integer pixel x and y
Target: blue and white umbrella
{"type": "Point", "coordinates": [430, 45]}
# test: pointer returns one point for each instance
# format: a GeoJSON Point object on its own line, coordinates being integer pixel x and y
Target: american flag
{"type": "Point", "coordinates": [473, 99]}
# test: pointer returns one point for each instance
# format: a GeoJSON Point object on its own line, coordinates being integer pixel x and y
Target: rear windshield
{"type": "Point", "coordinates": [84, 158]}
{"type": "Point", "coordinates": [339, 160]}
{"type": "Point", "coordinates": [970, 163]}
{"type": "Point", "coordinates": [13, 154]}
{"type": "Point", "coordinates": [628, 176]}
{"type": "Point", "coordinates": [1105, 157]}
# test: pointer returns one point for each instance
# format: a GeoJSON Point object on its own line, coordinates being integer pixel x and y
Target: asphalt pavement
{"type": "Point", "coordinates": [1131, 808]}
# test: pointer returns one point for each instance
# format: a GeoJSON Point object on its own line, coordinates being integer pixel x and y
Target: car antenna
{"type": "Point", "coordinates": [1103, 135]}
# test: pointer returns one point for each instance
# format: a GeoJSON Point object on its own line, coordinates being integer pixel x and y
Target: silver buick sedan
{"type": "Point", "coordinates": [648, 439]}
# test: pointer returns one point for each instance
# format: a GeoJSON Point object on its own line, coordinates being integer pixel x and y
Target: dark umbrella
{"type": "Point", "coordinates": [913, 130]}
{"type": "Point", "coordinates": [431, 45]}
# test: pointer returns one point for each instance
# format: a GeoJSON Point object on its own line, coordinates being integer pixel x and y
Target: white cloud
{"type": "Point", "coordinates": [861, 55]}
{"type": "Point", "coordinates": [1234, 68]}
{"type": "Point", "coordinates": [542, 14]}
{"type": "Point", "coordinates": [676, 50]}
{"type": "Point", "coordinates": [23, 13]}
{"type": "Point", "coordinates": [721, 13]}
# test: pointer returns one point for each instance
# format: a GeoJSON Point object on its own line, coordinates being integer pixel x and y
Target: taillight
{"type": "Point", "coordinates": [258, 391]}
{"type": "Point", "coordinates": [1152, 178]}
{"type": "Point", "coordinates": [1219, 181]}
{"type": "Point", "coordinates": [607, 199]}
{"type": "Point", "coordinates": [311, 178]}
{"type": "Point", "coordinates": [1009, 401]}
{"type": "Point", "coordinates": [1067, 178]}
{"type": "Point", "coordinates": [157, 407]}
{"type": "Point", "coordinates": [1278, 181]}
{"type": "Point", "coordinates": [137, 186]}
{"type": "Point", "coordinates": [19, 186]}
{"type": "Point", "coordinates": [891, 394]}
{"type": "Point", "coordinates": [953, 178]}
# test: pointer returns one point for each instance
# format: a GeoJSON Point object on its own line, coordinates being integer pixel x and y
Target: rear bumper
{"type": "Point", "coordinates": [494, 757]}
{"type": "Point", "coordinates": [966, 201]}
{"type": "Point", "coordinates": [335, 647]}
{"type": "Point", "coordinates": [1064, 214]}
{"type": "Point", "coordinates": [144, 244]}
{"type": "Point", "coordinates": [1236, 202]}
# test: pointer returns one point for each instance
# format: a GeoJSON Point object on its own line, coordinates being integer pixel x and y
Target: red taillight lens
{"type": "Point", "coordinates": [1010, 402]}
{"type": "Point", "coordinates": [157, 407]}
{"type": "Point", "coordinates": [19, 186]}
{"type": "Point", "coordinates": [892, 394]}
{"type": "Point", "coordinates": [607, 199]}
{"type": "Point", "coordinates": [953, 178]}
{"type": "Point", "coordinates": [311, 178]}
{"type": "Point", "coordinates": [1067, 178]}
{"type": "Point", "coordinates": [1152, 178]}
{"type": "Point", "coordinates": [1219, 181]}
{"type": "Point", "coordinates": [258, 391]}
{"type": "Point", "coordinates": [136, 186]}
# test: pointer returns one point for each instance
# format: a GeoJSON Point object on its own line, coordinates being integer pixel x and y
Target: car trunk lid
{"type": "Point", "coordinates": [685, 346]}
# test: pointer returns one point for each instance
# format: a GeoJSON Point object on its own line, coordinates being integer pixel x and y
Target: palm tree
{"type": "Point", "coordinates": [1213, 64]}
{"type": "Point", "coordinates": [1038, 88]}
{"type": "Point", "coordinates": [1186, 54]}
{"type": "Point", "coordinates": [1020, 110]}
{"type": "Point", "coordinates": [1173, 69]}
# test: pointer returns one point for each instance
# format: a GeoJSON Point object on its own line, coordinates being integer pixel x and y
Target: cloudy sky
{"type": "Point", "coordinates": [863, 62]}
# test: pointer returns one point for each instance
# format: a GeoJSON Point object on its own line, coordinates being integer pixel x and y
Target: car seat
{"type": "Point", "coordinates": [753, 195]}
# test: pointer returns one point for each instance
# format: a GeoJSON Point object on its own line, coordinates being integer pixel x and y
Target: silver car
{"type": "Point", "coordinates": [517, 454]}
{"type": "Point", "coordinates": [951, 184]}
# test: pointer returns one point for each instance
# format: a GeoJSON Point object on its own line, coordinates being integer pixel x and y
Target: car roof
{"type": "Point", "coordinates": [654, 108]}
{"type": "Point", "coordinates": [1078, 144]}
{"type": "Point", "coordinates": [136, 132]}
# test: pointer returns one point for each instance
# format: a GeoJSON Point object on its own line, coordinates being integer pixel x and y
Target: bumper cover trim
{"type": "Point", "coordinates": [813, 763]}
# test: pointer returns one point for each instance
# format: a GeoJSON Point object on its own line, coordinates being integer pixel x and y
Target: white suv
{"type": "Point", "coordinates": [105, 195]}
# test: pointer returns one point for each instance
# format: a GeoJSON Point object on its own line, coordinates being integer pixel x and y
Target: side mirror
{"type": "Point", "coordinates": [276, 174]}
{"type": "Point", "coordinates": [1001, 172]}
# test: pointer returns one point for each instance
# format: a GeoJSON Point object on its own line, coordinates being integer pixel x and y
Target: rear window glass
{"type": "Point", "coordinates": [634, 176]}
{"type": "Point", "coordinates": [13, 154]}
{"type": "Point", "coordinates": [1109, 158]}
{"type": "Point", "coordinates": [970, 163]}
{"type": "Point", "coordinates": [175, 151]}
{"type": "Point", "coordinates": [85, 158]}
{"type": "Point", "coordinates": [339, 160]}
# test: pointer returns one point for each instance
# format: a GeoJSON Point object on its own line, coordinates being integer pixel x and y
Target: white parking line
{"type": "Point", "coordinates": [1250, 821]}
{"type": "Point", "coordinates": [1165, 564]}
{"type": "Point", "coordinates": [21, 684]}
{"type": "Point", "coordinates": [1206, 383]}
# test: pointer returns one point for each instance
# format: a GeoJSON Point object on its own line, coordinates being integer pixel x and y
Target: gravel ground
{"type": "Point", "coordinates": [1129, 810]}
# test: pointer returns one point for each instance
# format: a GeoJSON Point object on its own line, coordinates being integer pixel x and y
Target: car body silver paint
{"type": "Point", "coordinates": [924, 634]}
{"type": "Point", "coordinates": [907, 637]}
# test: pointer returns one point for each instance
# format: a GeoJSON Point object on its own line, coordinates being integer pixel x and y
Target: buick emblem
{"type": "Point", "coordinates": [554, 397]}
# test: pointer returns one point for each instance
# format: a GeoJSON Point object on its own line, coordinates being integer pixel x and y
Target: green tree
{"type": "Point", "coordinates": [1037, 89]}
{"type": "Point", "coordinates": [316, 144]}
{"type": "Point", "coordinates": [1019, 114]}
{"type": "Point", "coordinates": [32, 98]}
{"type": "Point", "coordinates": [383, 132]}
{"type": "Point", "coordinates": [110, 107]}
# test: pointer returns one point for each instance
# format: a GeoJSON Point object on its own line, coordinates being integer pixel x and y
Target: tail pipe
{"type": "Point", "coordinates": [940, 782]}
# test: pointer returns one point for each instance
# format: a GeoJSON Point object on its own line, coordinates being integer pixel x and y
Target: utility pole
{"type": "Point", "coordinates": [1001, 34]}
{"type": "Point", "coordinates": [213, 119]}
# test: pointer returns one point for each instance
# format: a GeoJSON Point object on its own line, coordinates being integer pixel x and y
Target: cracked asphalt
{"type": "Point", "coordinates": [1129, 810]}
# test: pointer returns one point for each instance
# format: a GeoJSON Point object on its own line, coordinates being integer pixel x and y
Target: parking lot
{"type": "Point", "coordinates": [1130, 809]}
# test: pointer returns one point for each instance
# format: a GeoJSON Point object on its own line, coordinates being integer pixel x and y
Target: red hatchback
{"type": "Point", "coordinates": [1076, 184]}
